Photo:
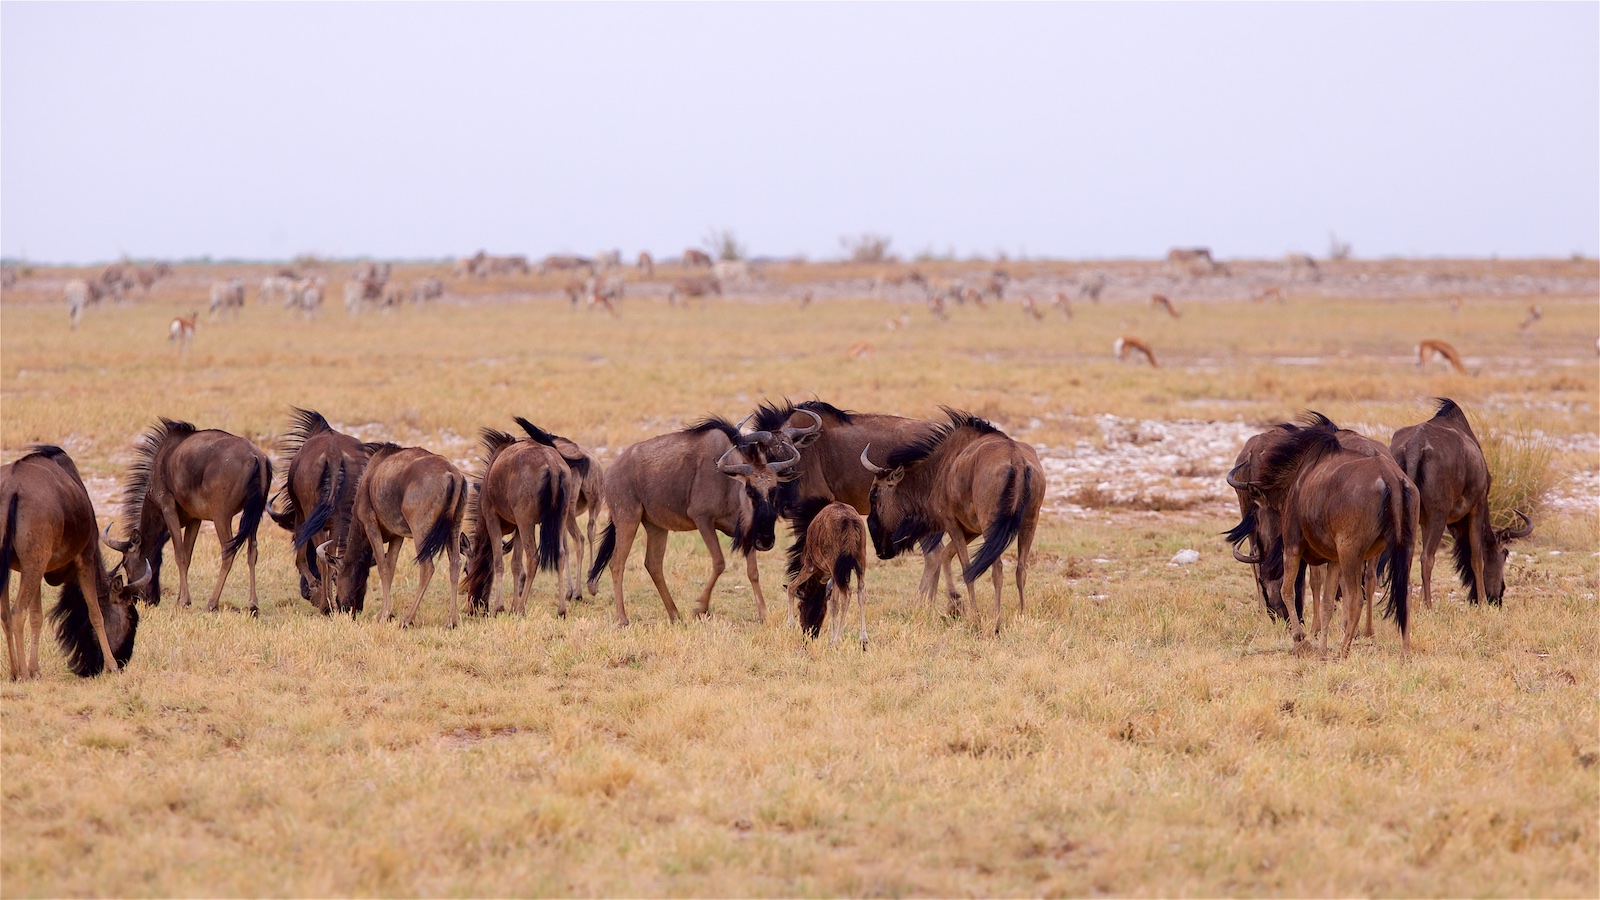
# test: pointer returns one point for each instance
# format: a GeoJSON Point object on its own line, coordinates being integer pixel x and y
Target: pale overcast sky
{"type": "Point", "coordinates": [1065, 130]}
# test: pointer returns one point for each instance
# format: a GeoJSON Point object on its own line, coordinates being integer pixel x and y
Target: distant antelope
{"type": "Point", "coordinates": [1535, 313]}
{"type": "Point", "coordinates": [861, 349]}
{"type": "Point", "coordinates": [1063, 304]}
{"type": "Point", "coordinates": [1271, 293]}
{"type": "Point", "coordinates": [1031, 307]}
{"type": "Point", "coordinates": [181, 331]}
{"type": "Point", "coordinates": [1160, 301]}
{"type": "Point", "coordinates": [1129, 344]}
{"type": "Point", "coordinates": [1431, 348]}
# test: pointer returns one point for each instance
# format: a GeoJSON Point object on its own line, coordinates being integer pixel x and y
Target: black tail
{"type": "Point", "coordinates": [552, 518]}
{"type": "Point", "coordinates": [602, 556]}
{"type": "Point", "coordinates": [1003, 530]}
{"type": "Point", "coordinates": [1394, 563]}
{"type": "Point", "coordinates": [6, 549]}
{"type": "Point", "coordinates": [480, 561]}
{"type": "Point", "coordinates": [443, 530]}
{"type": "Point", "coordinates": [255, 503]}
{"type": "Point", "coordinates": [75, 630]}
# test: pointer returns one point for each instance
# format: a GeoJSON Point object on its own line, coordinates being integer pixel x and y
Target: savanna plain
{"type": "Point", "coordinates": [1141, 728]}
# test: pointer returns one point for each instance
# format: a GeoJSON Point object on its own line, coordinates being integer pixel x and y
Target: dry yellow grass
{"type": "Point", "coordinates": [1140, 730]}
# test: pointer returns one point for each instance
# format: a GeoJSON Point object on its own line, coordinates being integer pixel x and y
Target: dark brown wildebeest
{"type": "Point", "coordinates": [526, 486]}
{"type": "Point", "coordinates": [180, 478]}
{"type": "Point", "coordinates": [1341, 507]}
{"type": "Point", "coordinates": [835, 548]}
{"type": "Point", "coordinates": [965, 479]}
{"type": "Point", "coordinates": [647, 264]}
{"type": "Point", "coordinates": [565, 262]}
{"type": "Point", "coordinates": [47, 533]}
{"type": "Point", "coordinates": [321, 469]}
{"type": "Point", "coordinates": [693, 286]}
{"type": "Point", "coordinates": [693, 257]}
{"type": "Point", "coordinates": [1443, 459]}
{"type": "Point", "coordinates": [404, 492]}
{"type": "Point", "coordinates": [708, 478]}
{"type": "Point", "coordinates": [830, 469]}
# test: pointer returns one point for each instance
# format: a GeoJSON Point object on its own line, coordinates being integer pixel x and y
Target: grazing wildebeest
{"type": "Point", "coordinates": [707, 478]}
{"type": "Point", "coordinates": [403, 493]}
{"type": "Point", "coordinates": [830, 469]}
{"type": "Point", "coordinates": [1123, 346]}
{"type": "Point", "coordinates": [525, 486]}
{"type": "Point", "coordinates": [565, 262]}
{"type": "Point", "coordinates": [835, 549]}
{"type": "Point", "coordinates": [647, 264]}
{"type": "Point", "coordinates": [425, 289]}
{"type": "Point", "coordinates": [693, 257]}
{"type": "Point", "coordinates": [693, 286]}
{"type": "Point", "coordinates": [1443, 459]}
{"type": "Point", "coordinates": [227, 297]}
{"type": "Point", "coordinates": [47, 533]}
{"type": "Point", "coordinates": [321, 469]}
{"type": "Point", "coordinates": [1163, 303]}
{"type": "Point", "coordinates": [180, 478]}
{"type": "Point", "coordinates": [1340, 507]}
{"type": "Point", "coordinates": [180, 330]}
{"type": "Point", "coordinates": [964, 480]}
{"type": "Point", "coordinates": [1431, 348]}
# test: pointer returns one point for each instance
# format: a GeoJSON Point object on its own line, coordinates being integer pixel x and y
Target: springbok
{"type": "Point", "coordinates": [321, 469]}
{"type": "Point", "coordinates": [1161, 302]}
{"type": "Point", "coordinates": [525, 487]}
{"type": "Point", "coordinates": [1431, 348]}
{"type": "Point", "coordinates": [47, 532]}
{"type": "Point", "coordinates": [708, 478]}
{"type": "Point", "coordinates": [180, 477]}
{"type": "Point", "coordinates": [1128, 344]}
{"type": "Point", "coordinates": [1443, 459]}
{"type": "Point", "coordinates": [964, 480]}
{"type": "Point", "coordinates": [404, 492]}
{"type": "Point", "coordinates": [835, 549]}
{"type": "Point", "coordinates": [181, 330]}
{"type": "Point", "coordinates": [1343, 508]}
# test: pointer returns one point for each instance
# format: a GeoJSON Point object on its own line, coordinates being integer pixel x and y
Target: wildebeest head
{"type": "Point", "coordinates": [748, 463]}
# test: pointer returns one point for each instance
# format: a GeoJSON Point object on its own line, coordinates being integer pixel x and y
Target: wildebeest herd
{"type": "Point", "coordinates": [1311, 495]}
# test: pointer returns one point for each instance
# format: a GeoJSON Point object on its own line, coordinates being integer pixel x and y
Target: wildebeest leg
{"type": "Point", "coordinates": [753, 573]}
{"type": "Point", "coordinates": [391, 554]}
{"type": "Point", "coordinates": [627, 530]}
{"type": "Point", "coordinates": [191, 534]}
{"type": "Point", "coordinates": [655, 550]}
{"type": "Point", "coordinates": [708, 533]}
{"type": "Point", "coordinates": [424, 575]}
{"type": "Point", "coordinates": [1432, 535]}
{"type": "Point", "coordinates": [86, 584]}
{"type": "Point", "coordinates": [224, 535]}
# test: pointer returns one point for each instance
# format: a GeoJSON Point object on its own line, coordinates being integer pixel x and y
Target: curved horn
{"type": "Point", "coordinates": [867, 463]}
{"type": "Point", "coordinates": [113, 543]}
{"type": "Point", "coordinates": [778, 467]}
{"type": "Point", "coordinates": [727, 468]}
{"type": "Point", "coordinates": [1248, 560]}
{"type": "Point", "coordinates": [143, 579]}
{"type": "Point", "coordinates": [1524, 531]}
{"type": "Point", "coordinates": [795, 434]}
{"type": "Point", "coordinates": [1233, 480]}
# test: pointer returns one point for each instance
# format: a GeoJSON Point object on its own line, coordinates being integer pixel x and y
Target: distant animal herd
{"type": "Point", "coordinates": [1316, 502]}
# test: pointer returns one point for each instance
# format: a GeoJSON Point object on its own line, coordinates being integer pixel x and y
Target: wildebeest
{"type": "Point", "coordinates": [1341, 507]}
{"type": "Point", "coordinates": [1123, 346]}
{"type": "Point", "coordinates": [181, 477]}
{"type": "Point", "coordinates": [180, 330]}
{"type": "Point", "coordinates": [1443, 458]}
{"type": "Point", "coordinates": [966, 479]}
{"type": "Point", "coordinates": [525, 488]}
{"type": "Point", "coordinates": [693, 257]}
{"type": "Point", "coordinates": [708, 478]}
{"type": "Point", "coordinates": [322, 467]}
{"type": "Point", "coordinates": [693, 286]}
{"type": "Point", "coordinates": [47, 533]}
{"type": "Point", "coordinates": [404, 492]}
{"type": "Point", "coordinates": [835, 549]}
{"type": "Point", "coordinates": [647, 264]}
{"type": "Point", "coordinates": [1431, 348]}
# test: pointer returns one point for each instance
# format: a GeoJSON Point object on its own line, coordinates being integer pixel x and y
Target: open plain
{"type": "Point", "coordinates": [1140, 729]}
